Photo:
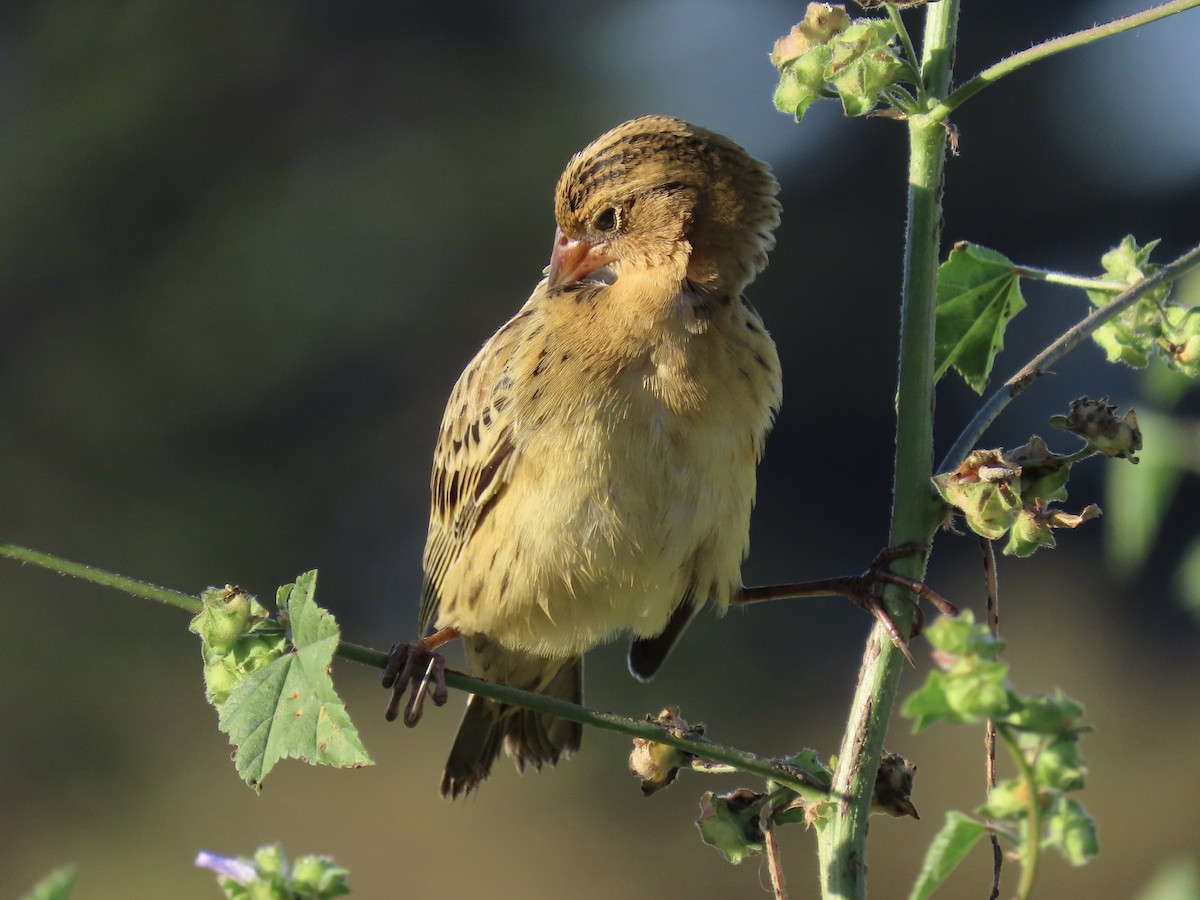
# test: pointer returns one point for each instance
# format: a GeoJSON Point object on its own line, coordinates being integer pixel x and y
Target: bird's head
{"type": "Point", "coordinates": [659, 194]}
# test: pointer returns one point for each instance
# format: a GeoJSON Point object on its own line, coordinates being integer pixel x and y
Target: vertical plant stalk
{"type": "Point", "coordinates": [1031, 847]}
{"type": "Point", "coordinates": [915, 516]}
{"type": "Point", "coordinates": [989, 732]}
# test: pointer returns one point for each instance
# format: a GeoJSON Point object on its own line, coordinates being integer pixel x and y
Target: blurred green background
{"type": "Point", "coordinates": [247, 248]}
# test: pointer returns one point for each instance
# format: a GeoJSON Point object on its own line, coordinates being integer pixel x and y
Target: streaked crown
{"type": "Point", "coordinates": [727, 209]}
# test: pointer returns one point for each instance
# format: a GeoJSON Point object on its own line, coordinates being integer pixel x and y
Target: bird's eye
{"type": "Point", "coordinates": [607, 220]}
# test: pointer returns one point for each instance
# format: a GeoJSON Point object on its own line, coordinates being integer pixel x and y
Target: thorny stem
{"type": "Point", "coordinates": [738, 759]}
{"type": "Point", "coordinates": [1010, 64]}
{"type": "Point", "coordinates": [1072, 338]}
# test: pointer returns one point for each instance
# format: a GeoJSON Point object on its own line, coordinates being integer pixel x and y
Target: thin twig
{"type": "Point", "coordinates": [1071, 339]}
{"type": "Point", "coordinates": [731, 756]}
{"type": "Point", "coordinates": [1010, 64]}
{"type": "Point", "coordinates": [910, 52]}
{"type": "Point", "coordinates": [132, 586]}
{"type": "Point", "coordinates": [989, 733]}
{"type": "Point", "coordinates": [1033, 273]}
{"type": "Point", "coordinates": [774, 861]}
{"type": "Point", "coordinates": [1031, 851]}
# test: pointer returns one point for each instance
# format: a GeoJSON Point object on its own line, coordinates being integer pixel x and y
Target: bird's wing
{"type": "Point", "coordinates": [475, 456]}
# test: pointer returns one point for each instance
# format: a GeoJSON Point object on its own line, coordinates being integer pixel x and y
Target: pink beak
{"type": "Point", "coordinates": [572, 261]}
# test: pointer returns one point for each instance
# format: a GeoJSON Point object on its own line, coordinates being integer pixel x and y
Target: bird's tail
{"type": "Point", "coordinates": [530, 738]}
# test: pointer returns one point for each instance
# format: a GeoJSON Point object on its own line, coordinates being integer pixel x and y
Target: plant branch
{"type": "Point", "coordinates": [1031, 852]}
{"type": "Point", "coordinates": [741, 760]}
{"type": "Point", "coordinates": [738, 759]}
{"type": "Point", "coordinates": [1088, 284]}
{"type": "Point", "coordinates": [842, 843]}
{"type": "Point", "coordinates": [1011, 64]}
{"type": "Point", "coordinates": [774, 862]}
{"type": "Point", "coordinates": [910, 53]}
{"type": "Point", "coordinates": [989, 728]}
{"type": "Point", "coordinates": [131, 586]}
{"type": "Point", "coordinates": [1072, 338]}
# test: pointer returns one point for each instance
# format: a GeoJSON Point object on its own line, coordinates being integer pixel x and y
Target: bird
{"type": "Point", "coordinates": [595, 469]}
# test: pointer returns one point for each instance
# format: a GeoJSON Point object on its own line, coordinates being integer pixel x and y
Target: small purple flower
{"type": "Point", "coordinates": [238, 869]}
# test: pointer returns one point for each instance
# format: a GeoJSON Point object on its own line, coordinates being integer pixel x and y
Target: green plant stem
{"type": "Point", "coordinates": [910, 53]}
{"type": "Point", "coordinates": [1088, 284]}
{"type": "Point", "coordinates": [1072, 338]}
{"type": "Point", "coordinates": [1031, 851]}
{"type": "Point", "coordinates": [738, 759]}
{"type": "Point", "coordinates": [842, 843]}
{"type": "Point", "coordinates": [1010, 64]}
{"type": "Point", "coordinates": [99, 576]}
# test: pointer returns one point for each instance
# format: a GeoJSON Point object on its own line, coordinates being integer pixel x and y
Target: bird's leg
{"type": "Point", "coordinates": [404, 662]}
{"type": "Point", "coordinates": [863, 590]}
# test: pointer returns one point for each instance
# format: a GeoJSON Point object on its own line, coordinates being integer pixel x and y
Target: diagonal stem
{"type": "Point", "coordinates": [1010, 64]}
{"type": "Point", "coordinates": [132, 586]}
{"type": "Point", "coordinates": [739, 759]}
{"type": "Point", "coordinates": [1072, 338]}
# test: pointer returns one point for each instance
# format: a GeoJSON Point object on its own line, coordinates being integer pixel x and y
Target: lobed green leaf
{"type": "Point", "coordinates": [949, 848]}
{"type": "Point", "coordinates": [978, 293]}
{"type": "Point", "coordinates": [1071, 831]}
{"type": "Point", "coordinates": [288, 708]}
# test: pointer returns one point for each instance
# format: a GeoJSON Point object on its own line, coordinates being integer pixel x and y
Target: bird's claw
{"type": "Point", "coordinates": [403, 665]}
{"type": "Point", "coordinates": [869, 598]}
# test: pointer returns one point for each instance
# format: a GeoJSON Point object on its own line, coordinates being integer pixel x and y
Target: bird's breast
{"type": "Point", "coordinates": [632, 490]}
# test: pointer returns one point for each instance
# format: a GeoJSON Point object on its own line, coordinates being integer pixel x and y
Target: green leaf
{"type": "Point", "coordinates": [319, 876]}
{"type": "Point", "coordinates": [1176, 879]}
{"type": "Point", "coordinates": [971, 686]}
{"type": "Point", "coordinates": [1060, 767]}
{"type": "Point", "coordinates": [802, 82]}
{"type": "Point", "coordinates": [863, 64]}
{"type": "Point", "coordinates": [1029, 533]}
{"type": "Point", "coordinates": [1071, 831]}
{"type": "Point", "coordinates": [1007, 801]}
{"type": "Point", "coordinates": [732, 823]}
{"type": "Point", "coordinates": [1054, 715]}
{"type": "Point", "coordinates": [949, 848]}
{"type": "Point", "coordinates": [1131, 336]}
{"type": "Point", "coordinates": [978, 293]}
{"type": "Point", "coordinates": [960, 636]}
{"type": "Point", "coordinates": [969, 692]}
{"type": "Point", "coordinates": [1181, 340]}
{"type": "Point", "coordinates": [802, 56]}
{"type": "Point", "coordinates": [1043, 473]}
{"type": "Point", "coordinates": [288, 708]}
{"type": "Point", "coordinates": [1138, 497]}
{"type": "Point", "coordinates": [55, 886]}
{"type": "Point", "coordinates": [1187, 578]}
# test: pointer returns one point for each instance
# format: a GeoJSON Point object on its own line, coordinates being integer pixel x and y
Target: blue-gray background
{"type": "Point", "coordinates": [246, 250]}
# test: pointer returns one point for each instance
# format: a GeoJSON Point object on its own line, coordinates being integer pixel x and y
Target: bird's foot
{"type": "Point", "coordinates": [421, 664]}
{"type": "Point", "coordinates": [864, 590]}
